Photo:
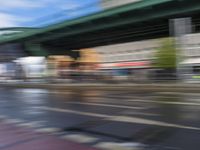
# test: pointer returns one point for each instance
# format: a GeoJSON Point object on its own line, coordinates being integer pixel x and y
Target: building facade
{"type": "Point", "coordinates": [140, 55]}
{"type": "Point", "coordinates": [128, 55]}
{"type": "Point", "coordinates": [191, 56]}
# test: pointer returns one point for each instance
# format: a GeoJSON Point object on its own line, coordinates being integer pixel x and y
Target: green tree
{"type": "Point", "coordinates": [165, 57]}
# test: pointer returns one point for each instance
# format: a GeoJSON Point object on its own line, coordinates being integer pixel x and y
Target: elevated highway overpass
{"type": "Point", "coordinates": [145, 19]}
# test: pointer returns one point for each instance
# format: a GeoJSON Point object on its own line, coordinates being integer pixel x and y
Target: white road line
{"type": "Point", "coordinates": [150, 122]}
{"type": "Point", "coordinates": [139, 113]}
{"type": "Point", "coordinates": [136, 120]}
{"type": "Point", "coordinates": [27, 124]}
{"type": "Point", "coordinates": [115, 146]}
{"type": "Point", "coordinates": [80, 138]}
{"type": "Point", "coordinates": [3, 116]}
{"type": "Point", "coordinates": [166, 102]}
{"type": "Point", "coordinates": [74, 112]}
{"type": "Point", "coordinates": [105, 105]}
{"type": "Point", "coordinates": [33, 124]}
{"type": "Point", "coordinates": [16, 121]}
{"type": "Point", "coordinates": [48, 130]}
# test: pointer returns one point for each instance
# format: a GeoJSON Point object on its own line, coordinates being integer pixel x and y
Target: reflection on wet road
{"type": "Point", "coordinates": [156, 120]}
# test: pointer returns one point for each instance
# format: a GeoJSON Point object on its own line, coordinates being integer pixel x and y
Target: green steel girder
{"type": "Point", "coordinates": [107, 13]}
{"type": "Point", "coordinates": [67, 28]}
{"type": "Point", "coordinates": [116, 34]}
{"type": "Point", "coordinates": [134, 19]}
{"type": "Point", "coordinates": [35, 49]}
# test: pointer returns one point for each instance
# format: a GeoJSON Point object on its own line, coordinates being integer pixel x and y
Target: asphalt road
{"type": "Point", "coordinates": [157, 121]}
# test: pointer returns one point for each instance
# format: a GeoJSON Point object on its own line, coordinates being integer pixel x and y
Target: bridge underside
{"type": "Point", "coordinates": [146, 20]}
{"type": "Point", "coordinates": [148, 23]}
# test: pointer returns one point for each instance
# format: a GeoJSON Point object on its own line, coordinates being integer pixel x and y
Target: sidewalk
{"type": "Point", "coordinates": [17, 138]}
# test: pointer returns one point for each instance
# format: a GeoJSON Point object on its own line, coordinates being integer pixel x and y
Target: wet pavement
{"type": "Point", "coordinates": [19, 138]}
{"type": "Point", "coordinates": [108, 120]}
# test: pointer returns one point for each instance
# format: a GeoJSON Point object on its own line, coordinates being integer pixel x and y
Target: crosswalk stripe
{"type": "Point", "coordinates": [115, 146]}
{"type": "Point", "coordinates": [48, 130]}
{"type": "Point", "coordinates": [3, 116]}
{"type": "Point", "coordinates": [80, 138]}
{"type": "Point", "coordinates": [16, 121]}
{"type": "Point", "coordinates": [33, 124]}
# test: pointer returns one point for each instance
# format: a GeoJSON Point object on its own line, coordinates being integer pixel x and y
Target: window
{"type": "Point", "coordinates": [196, 69]}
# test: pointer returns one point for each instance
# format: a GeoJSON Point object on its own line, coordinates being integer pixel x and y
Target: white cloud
{"type": "Point", "coordinates": [7, 20]}
{"type": "Point", "coordinates": [10, 8]}
{"type": "Point", "coordinates": [10, 4]}
{"type": "Point", "coordinates": [11, 20]}
{"type": "Point", "coordinates": [69, 5]}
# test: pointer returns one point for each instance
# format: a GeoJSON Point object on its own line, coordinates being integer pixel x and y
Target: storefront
{"type": "Point", "coordinates": [32, 67]}
{"type": "Point", "coordinates": [191, 70]}
{"type": "Point", "coordinates": [88, 64]}
{"type": "Point", "coordinates": [59, 66]}
{"type": "Point", "coordinates": [138, 70]}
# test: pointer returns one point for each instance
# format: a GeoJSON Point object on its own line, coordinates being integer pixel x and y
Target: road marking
{"type": "Point", "coordinates": [177, 94]}
{"type": "Point", "coordinates": [27, 124]}
{"type": "Point", "coordinates": [80, 138]}
{"type": "Point", "coordinates": [136, 120]}
{"type": "Point", "coordinates": [139, 113]}
{"type": "Point", "coordinates": [116, 146]}
{"type": "Point", "coordinates": [33, 91]}
{"type": "Point", "coordinates": [16, 121]}
{"type": "Point", "coordinates": [166, 102]}
{"type": "Point", "coordinates": [106, 105]}
{"type": "Point", "coordinates": [150, 122]}
{"type": "Point", "coordinates": [74, 112]}
{"type": "Point", "coordinates": [48, 130]}
{"type": "Point", "coordinates": [3, 116]}
{"type": "Point", "coordinates": [33, 124]}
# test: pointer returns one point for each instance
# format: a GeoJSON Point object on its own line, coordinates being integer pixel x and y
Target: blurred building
{"type": "Point", "coordinates": [113, 3]}
{"type": "Point", "coordinates": [89, 59]}
{"type": "Point", "coordinates": [129, 60]}
{"type": "Point", "coordinates": [89, 56]}
{"type": "Point", "coordinates": [9, 52]}
{"type": "Point", "coordinates": [59, 65]}
{"type": "Point", "coordinates": [140, 55]}
{"type": "Point", "coordinates": [191, 55]}
{"type": "Point", "coordinates": [128, 55]}
{"type": "Point", "coordinates": [33, 67]}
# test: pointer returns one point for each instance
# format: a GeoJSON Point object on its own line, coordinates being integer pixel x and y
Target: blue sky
{"type": "Point", "coordinates": [41, 12]}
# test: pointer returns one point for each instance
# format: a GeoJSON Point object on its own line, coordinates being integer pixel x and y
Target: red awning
{"type": "Point", "coordinates": [137, 64]}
